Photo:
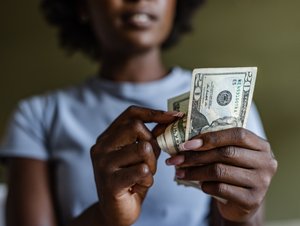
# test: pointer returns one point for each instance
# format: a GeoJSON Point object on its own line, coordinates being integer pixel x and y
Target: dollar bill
{"type": "Point", "coordinates": [219, 99]}
{"type": "Point", "coordinates": [174, 134]}
{"type": "Point", "coordinates": [179, 103]}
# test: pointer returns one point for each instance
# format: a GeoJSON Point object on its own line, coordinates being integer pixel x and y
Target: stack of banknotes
{"type": "Point", "coordinates": [219, 99]}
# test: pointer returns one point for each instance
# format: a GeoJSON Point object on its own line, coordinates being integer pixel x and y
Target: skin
{"type": "Point", "coordinates": [234, 164]}
{"type": "Point", "coordinates": [124, 48]}
{"type": "Point", "coordinates": [124, 164]}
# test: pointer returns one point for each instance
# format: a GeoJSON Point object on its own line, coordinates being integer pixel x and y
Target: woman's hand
{"type": "Point", "coordinates": [124, 161]}
{"type": "Point", "coordinates": [233, 164]}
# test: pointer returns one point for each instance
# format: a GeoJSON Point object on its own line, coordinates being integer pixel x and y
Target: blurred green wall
{"type": "Point", "coordinates": [263, 33]}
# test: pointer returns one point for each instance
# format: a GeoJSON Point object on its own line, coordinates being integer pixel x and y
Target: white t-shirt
{"type": "Point", "coordinates": [62, 126]}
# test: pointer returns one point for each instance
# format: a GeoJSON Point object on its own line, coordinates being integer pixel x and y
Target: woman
{"type": "Point", "coordinates": [58, 175]}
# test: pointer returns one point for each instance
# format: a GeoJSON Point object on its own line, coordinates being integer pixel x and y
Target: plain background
{"type": "Point", "coordinates": [263, 33]}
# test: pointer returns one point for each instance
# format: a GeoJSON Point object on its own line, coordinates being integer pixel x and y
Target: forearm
{"type": "Point", "coordinates": [216, 219]}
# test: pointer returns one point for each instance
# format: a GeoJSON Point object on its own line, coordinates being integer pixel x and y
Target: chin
{"type": "Point", "coordinates": [143, 41]}
{"type": "Point", "coordinates": [138, 45]}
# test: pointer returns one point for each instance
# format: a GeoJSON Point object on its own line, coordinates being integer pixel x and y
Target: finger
{"type": "Point", "coordinates": [230, 155]}
{"type": "Point", "coordinates": [151, 115]}
{"type": "Point", "coordinates": [126, 134]}
{"type": "Point", "coordinates": [236, 196]}
{"type": "Point", "coordinates": [219, 173]}
{"type": "Point", "coordinates": [159, 129]}
{"type": "Point", "coordinates": [133, 154]}
{"type": "Point", "coordinates": [124, 179]}
{"type": "Point", "coordinates": [231, 137]}
{"type": "Point", "coordinates": [134, 113]}
{"type": "Point", "coordinates": [143, 185]}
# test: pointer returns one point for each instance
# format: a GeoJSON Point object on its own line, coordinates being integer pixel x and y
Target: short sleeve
{"type": "Point", "coordinates": [254, 123]}
{"type": "Point", "coordinates": [25, 133]}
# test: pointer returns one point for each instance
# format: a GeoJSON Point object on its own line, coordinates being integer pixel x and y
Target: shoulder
{"type": "Point", "coordinates": [40, 102]}
{"type": "Point", "coordinates": [42, 108]}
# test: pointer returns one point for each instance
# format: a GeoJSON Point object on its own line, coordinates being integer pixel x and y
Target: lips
{"type": "Point", "coordinates": [138, 19]}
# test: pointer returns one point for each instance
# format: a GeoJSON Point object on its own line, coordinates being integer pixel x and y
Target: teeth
{"type": "Point", "coordinates": [140, 18]}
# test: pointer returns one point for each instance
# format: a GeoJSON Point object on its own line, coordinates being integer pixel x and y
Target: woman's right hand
{"type": "Point", "coordinates": [124, 161]}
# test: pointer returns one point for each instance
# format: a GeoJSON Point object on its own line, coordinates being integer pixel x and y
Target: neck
{"type": "Point", "coordinates": [138, 67]}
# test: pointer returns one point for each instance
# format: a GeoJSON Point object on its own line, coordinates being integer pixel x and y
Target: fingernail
{"type": "Point", "coordinates": [176, 160]}
{"type": "Point", "coordinates": [175, 113]}
{"type": "Point", "coordinates": [180, 173]}
{"type": "Point", "coordinates": [191, 145]}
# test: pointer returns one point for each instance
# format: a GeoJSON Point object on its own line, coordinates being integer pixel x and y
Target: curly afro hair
{"type": "Point", "coordinates": [75, 35]}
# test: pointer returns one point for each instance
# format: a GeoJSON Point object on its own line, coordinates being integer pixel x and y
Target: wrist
{"type": "Point", "coordinates": [255, 220]}
{"type": "Point", "coordinates": [106, 219]}
{"type": "Point", "coordinates": [216, 218]}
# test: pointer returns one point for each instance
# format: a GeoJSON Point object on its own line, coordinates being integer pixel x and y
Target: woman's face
{"type": "Point", "coordinates": [128, 25]}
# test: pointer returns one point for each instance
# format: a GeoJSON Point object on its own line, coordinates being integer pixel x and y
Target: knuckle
{"type": "Point", "coordinates": [144, 150]}
{"type": "Point", "coordinates": [273, 166]}
{"type": "Point", "coordinates": [154, 113]}
{"type": "Point", "coordinates": [252, 202]}
{"type": "Point", "coordinates": [265, 182]}
{"type": "Point", "coordinates": [101, 138]}
{"type": "Point", "coordinates": [151, 113]}
{"type": "Point", "coordinates": [239, 134]}
{"type": "Point", "coordinates": [268, 146]}
{"type": "Point", "coordinates": [149, 181]}
{"type": "Point", "coordinates": [136, 126]}
{"type": "Point", "coordinates": [218, 171]}
{"type": "Point", "coordinates": [93, 151]}
{"type": "Point", "coordinates": [259, 201]}
{"type": "Point", "coordinates": [97, 157]}
{"type": "Point", "coordinates": [131, 109]}
{"type": "Point", "coordinates": [99, 161]}
{"type": "Point", "coordinates": [228, 152]}
{"type": "Point", "coordinates": [98, 138]}
{"type": "Point", "coordinates": [211, 138]}
{"type": "Point", "coordinates": [102, 142]}
{"type": "Point", "coordinates": [255, 205]}
{"type": "Point", "coordinates": [221, 188]}
{"type": "Point", "coordinates": [143, 170]}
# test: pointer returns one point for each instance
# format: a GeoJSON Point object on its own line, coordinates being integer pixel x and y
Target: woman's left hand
{"type": "Point", "coordinates": [233, 164]}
